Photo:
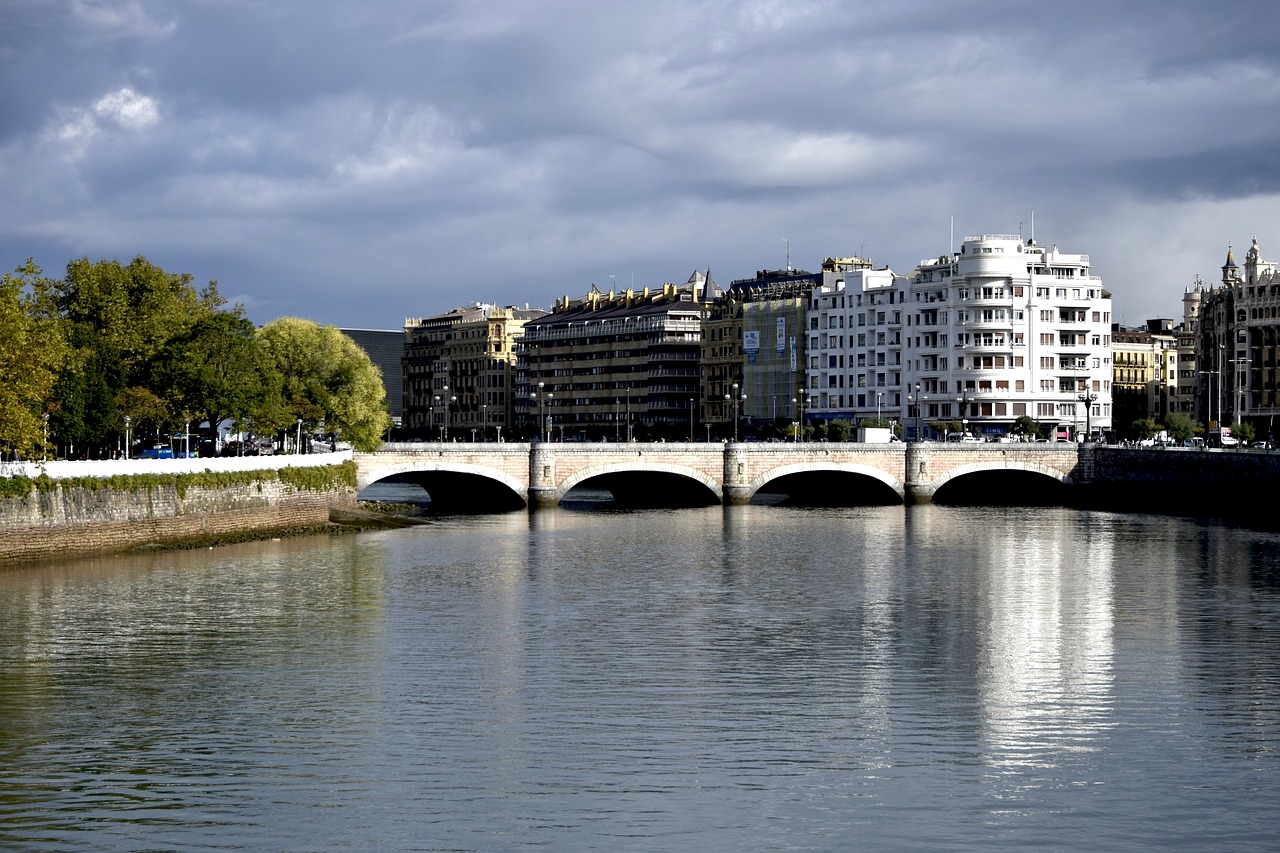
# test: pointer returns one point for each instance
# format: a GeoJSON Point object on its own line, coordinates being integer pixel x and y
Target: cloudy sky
{"type": "Point", "coordinates": [358, 163]}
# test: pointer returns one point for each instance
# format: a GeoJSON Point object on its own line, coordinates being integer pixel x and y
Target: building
{"type": "Point", "coordinates": [1238, 345]}
{"type": "Point", "coordinates": [1002, 329]}
{"type": "Point", "coordinates": [855, 344]}
{"type": "Point", "coordinates": [459, 372]}
{"type": "Point", "coordinates": [1144, 373]}
{"type": "Point", "coordinates": [385, 349]}
{"type": "Point", "coordinates": [614, 366]}
{"type": "Point", "coordinates": [753, 358]}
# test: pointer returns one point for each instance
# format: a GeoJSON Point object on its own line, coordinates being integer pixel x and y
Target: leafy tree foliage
{"type": "Point", "coordinates": [324, 375]}
{"type": "Point", "coordinates": [1143, 428]}
{"type": "Point", "coordinates": [1180, 426]}
{"type": "Point", "coordinates": [134, 310]}
{"type": "Point", "coordinates": [32, 351]}
{"type": "Point", "coordinates": [1244, 431]}
{"type": "Point", "coordinates": [214, 371]}
{"type": "Point", "coordinates": [1027, 426]}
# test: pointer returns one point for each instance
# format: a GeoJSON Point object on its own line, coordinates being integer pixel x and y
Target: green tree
{"type": "Point", "coordinates": [1027, 427]}
{"type": "Point", "coordinates": [136, 309]}
{"type": "Point", "coordinates": [1244, 431]}
{"type": "Point", "coordinates": [217, 370]}
{"type": "Point", "coordinates": [32, 351]}
{"type": "Point", "coordinates": [1143, 428]}
{"type": "Point", "coordinates": [324, 375]}
{"type": "Point", "coordinates": [1179, 426]}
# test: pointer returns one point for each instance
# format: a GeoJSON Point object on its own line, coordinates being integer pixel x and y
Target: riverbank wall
{"type": "Point", "coordinates": [43, 517]}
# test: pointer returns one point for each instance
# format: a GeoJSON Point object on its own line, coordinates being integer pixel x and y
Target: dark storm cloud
{"type": "Point", "coordinates": [361, 162]}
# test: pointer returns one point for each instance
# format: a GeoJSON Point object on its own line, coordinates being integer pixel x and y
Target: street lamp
{"type": "Point", "coordinates": [128, 422]}
{"type": "Point", "coordinates": [541, 410]}
{"type": "Point", "coordinates": [963, 400]}
{"type": "Point", "coordinates": [298, 449]}
{"type": "Point", "coordinates": [800, 398]}
{"type": "Point", "coordinates": [444, 399]}
{"type": "Point", "coordinates": [484, 422]}
{"type": "Point", "coordinates": [1210, 373]}
{"type": "Point", "coordinates": [44, 444]}
{"type": "Point", "coordinates": [734, 400]}
{"type": "Point", "coordinates": [879, 397]}
{"type": "Point", "coordinates": [1087, 399]}
{"type": "Point", "coordinates": [918, 399]}
{"type": "Point", "coordinates": [690, 420]}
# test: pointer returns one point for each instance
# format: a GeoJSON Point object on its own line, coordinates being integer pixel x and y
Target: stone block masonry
{"type": "Point", "coordinates": [69, 518]}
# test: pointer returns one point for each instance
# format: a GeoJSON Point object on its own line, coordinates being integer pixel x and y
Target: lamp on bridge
{"type": "Point", "coordinates": [128, 422]}
{"type": "Point", "coordinates": [800, 398]}
{"type": "Point", "coordinates": [1087, 398]}
{"type": "Point", "coordinates": [963, 401]}
{"type": "Point", "coordinates": [734, 399]}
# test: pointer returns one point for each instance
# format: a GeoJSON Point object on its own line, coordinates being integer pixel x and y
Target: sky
{"type": "Point", "coordinates": [361, 163]}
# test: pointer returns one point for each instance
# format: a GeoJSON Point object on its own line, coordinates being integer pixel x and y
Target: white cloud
{"type": "Point", "coordinates": [127, 109]}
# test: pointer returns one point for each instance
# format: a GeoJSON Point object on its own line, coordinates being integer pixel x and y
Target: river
{"type": "Point", "coordinates": [721, 679]}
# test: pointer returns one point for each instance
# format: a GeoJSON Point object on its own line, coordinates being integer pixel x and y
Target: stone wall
{"type": "Point", "coordinates": [70, 520]}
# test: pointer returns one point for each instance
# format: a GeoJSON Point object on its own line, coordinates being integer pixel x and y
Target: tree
{"type": "Point", "coordinates": [1179, 426]}
{"type": "Point", "coordinates": [1027, 426]}
{"type": "Point", "coordinates": [136, 309]}
{"type": "Point", "coordinates": [32, 350]}
{"type": "Point", "coordinates": [324, 375]}
{"type": "Point", "coordinates": [1244, 431]}
{"type": "Point", "coordinates": [1142, 429]}
{"type": "Point", "coordinates": [215, 371]}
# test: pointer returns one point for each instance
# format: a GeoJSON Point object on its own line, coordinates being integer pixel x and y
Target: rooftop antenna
{"type": "Point", "coordinates": [1033, 227]}
{"type": "Point", "coordinates": [951, 238]}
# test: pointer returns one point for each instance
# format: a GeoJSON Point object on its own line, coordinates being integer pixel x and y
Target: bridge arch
{"type": "Point", "coordinates": [612, 472]}
{"type": "Point", "coordinates": [847, 468]}
{"type": "Point", "coordinates": [952, 476]}
{"type": "Point", "coordinates": [422, 472]}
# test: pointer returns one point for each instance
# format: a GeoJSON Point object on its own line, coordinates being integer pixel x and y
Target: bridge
{"type": "Point", "coordinates": [471, 476]}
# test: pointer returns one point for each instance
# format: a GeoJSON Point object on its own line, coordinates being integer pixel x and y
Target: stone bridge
{"type": "Point", "coordinates": [510, 475]}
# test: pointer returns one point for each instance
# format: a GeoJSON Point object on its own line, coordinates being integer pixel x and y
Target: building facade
{"type": "Point", "coordinates": [614, 366]}
{"type": "Point", "coordinates": [856, 345]}
{"type": "Point", "coordinates": [1238, 345]}
{"type": "Point", "coordinates": [458, 372]}
{"type": "Point", "coordinates": [1005, 328]}
{"type": "Point", "coordinates": [1144, 376]}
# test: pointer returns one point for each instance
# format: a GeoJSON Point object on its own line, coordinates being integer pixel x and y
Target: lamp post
{"type": "Point", "coordinates": [963, 400]}
{"type": "Point", "coordinates": [800, 399]}
{"type": "Point", "coordinates": [298, 448]}
{"type": "Point", "coordinates": [484, 422]}
{"type": "Point", "coordinates": [445, 398]}
{"type": "Point", "coordinates": [690, 420]}
{"type": "Point", "coordinates": [733, 400]}
{"type": "Point", "coordinates": [44, 444]}
{"type": "Point", "coordinates": [879, 397]}
{"type": "Point", "coordinates": [1209, 396]}
{"type": "Point", "coordinates": [918, 398]}
{"type": "Point", "coordinates": [1087, 399]}
{"type": "Point", "coordinates": [128, 423]}
{"type": "Point", "coordinates": [628, 414]}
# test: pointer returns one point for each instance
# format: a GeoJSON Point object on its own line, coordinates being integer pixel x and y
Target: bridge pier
{"type": "Point", "coordinates": [736, 487]}
{"type": "Point", "coordinates": [918, 486]}
{"type": "Point", "coordinates": [543, 493]}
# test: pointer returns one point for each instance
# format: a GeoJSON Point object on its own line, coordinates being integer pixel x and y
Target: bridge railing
{"type": "Point", "coordinates": [63, 470]}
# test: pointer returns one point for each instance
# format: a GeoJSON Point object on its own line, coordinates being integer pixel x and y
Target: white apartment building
{"type": "Point", "coordinates": [855, 345]}
{"type": "Point", "coordinates": [1001, 329]}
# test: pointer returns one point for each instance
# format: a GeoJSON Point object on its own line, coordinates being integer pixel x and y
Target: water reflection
{"type": "Point", "coordinates": [724, 678]}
